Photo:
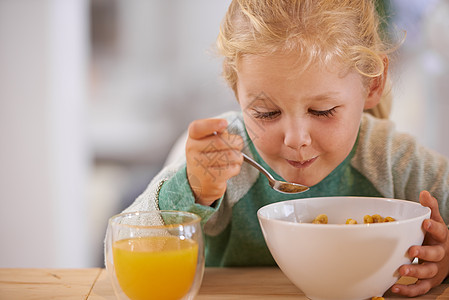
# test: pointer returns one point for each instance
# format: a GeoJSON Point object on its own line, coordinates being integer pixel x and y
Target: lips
{"type": "Point", "coordinates": [302, 164]}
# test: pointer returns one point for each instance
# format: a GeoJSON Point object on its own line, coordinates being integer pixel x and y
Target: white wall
{"type": "Point", "coordinates": [421, 72]}
{"type": "Point", "coordinates": [161, 74]}
{"type": "Point", "coordinates": [44, 158]}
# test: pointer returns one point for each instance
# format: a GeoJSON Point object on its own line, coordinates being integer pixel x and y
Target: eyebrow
{"type": "Point", "coordinates": [262, 97]}
{"type": "Point", "coordinates": [323, 97]}
{"type": "Point", "coordinates": [319, 97]}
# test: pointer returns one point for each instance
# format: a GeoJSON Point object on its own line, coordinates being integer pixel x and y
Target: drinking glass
{"type": "Point", "coordinates": [155, 255]}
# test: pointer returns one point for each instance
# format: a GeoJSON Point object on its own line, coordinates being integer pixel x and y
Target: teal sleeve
{"type": "Point", "coordinates": [176, 194]}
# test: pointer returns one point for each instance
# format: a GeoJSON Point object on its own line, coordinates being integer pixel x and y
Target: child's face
{"type": "Point", "coordinates": [302, 124]}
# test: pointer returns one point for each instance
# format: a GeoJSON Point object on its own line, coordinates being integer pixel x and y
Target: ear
{"type": "Point", "coordinates": [377, 86]}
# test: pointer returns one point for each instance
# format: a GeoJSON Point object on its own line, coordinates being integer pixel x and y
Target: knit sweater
{"type": "Point", "coordinates": [382, 163]}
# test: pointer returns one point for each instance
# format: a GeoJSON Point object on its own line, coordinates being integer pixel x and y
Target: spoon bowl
{"type": "Point", "coordinates": [277, 185]}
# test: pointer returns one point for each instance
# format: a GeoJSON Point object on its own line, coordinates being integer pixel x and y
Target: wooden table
{"type": "Point", "coordinates": [218, 283]}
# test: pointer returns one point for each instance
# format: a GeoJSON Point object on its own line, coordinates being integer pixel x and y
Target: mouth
{"type": "Point", "coordinates": [302, 164]}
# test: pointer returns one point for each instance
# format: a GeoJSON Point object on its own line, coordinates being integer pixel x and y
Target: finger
{"type": "Point", "coordinates": [224, 158]}
{"type": "Point", "coordinates": [199, 129]}
{"type": "Point", "coordinates": [437, 230]}
{"type": "Point", "coordinates": [207, 196]}
{"type": "Point", "coordinates": [232, 170]}
{"type": "Point", "coordinates": [425, 270]}
{"type": "Point", "coordinates": [215, 175]}
{"type": "Point", "coordinates": [426, 199]}
{"type": "Point", "coordinates": [232, 141]}
{"type": "Point", "coordinates": [419, 288]}
{"type": "Point", "coordinates": [213, 145]}
{"type": "Point", "coordinates": [433, 253]}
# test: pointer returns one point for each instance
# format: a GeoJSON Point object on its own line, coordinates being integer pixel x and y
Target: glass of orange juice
{"type": "Point", "coordinates": [155, 255]}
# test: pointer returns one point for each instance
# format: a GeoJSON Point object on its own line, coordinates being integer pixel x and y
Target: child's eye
{"type": "Point", "coordinates": [269, 115]}
{"type": "Point", "coordinates": [323, 113]}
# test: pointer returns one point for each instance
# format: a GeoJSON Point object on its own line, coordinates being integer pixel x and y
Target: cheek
{"type": "Point", "coordinates": [265, 137]}
{"type": "Point", "coordinates": [339, 138]}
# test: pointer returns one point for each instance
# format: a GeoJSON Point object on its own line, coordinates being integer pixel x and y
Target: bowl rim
{"type": "Point", "coordinates": [424, 215]}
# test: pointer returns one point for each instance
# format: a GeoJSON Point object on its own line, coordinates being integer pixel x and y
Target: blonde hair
{"type": "Point", "coordinates": [319, 31]}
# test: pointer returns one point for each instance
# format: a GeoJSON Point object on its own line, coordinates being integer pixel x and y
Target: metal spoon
{"type": "Point", "coordinates": [277, 185]}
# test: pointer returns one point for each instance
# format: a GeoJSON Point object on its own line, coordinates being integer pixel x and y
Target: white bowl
{"type": "Point", "coordinates": [339, 261]}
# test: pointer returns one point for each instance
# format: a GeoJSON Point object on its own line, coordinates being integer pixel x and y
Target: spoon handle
{"type": "Point", "coordinates": [257, 166]}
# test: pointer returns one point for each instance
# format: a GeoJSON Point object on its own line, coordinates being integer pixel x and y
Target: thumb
{"type": "Point", "coordinates": [426, 199]}
{"type": "Point", "coordinates": [199, 129]}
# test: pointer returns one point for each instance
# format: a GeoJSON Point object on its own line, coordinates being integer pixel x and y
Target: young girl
{"type": "Point", "coordinates": [305, 73]}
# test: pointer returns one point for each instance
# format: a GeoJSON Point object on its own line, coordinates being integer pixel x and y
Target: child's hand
{"type": "Point", "coordinates": [433, 255]}
{"type": "Point", "coordinates": [213, 156]}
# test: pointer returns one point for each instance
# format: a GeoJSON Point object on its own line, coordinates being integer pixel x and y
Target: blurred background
{"type": "Point", "coordinates": [93, 93]}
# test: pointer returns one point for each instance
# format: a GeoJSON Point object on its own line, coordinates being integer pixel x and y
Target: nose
{"type": "Point", "coordinates": [297, 134]}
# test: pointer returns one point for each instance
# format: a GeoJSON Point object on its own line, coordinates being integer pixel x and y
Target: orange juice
{"type": "Point", "coordinates": [159, 267]}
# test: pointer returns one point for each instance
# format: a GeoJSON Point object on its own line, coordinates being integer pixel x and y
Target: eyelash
{"type": "Point", "coordinates": [323, 113]}
{"type": "Point", "coordinates": [266, 115]}
{"type": "Point", "coordinates": [273, 114]}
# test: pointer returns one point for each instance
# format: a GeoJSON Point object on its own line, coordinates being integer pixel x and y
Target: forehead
{"type": "Point", "coordinates": [291, 69]}
{"type": "Point", "coordinates": [288, 66]}
{"type": "Point", "coordinates": [274, 63]}
{"type": "Point", "coordinates": [284, 77]}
